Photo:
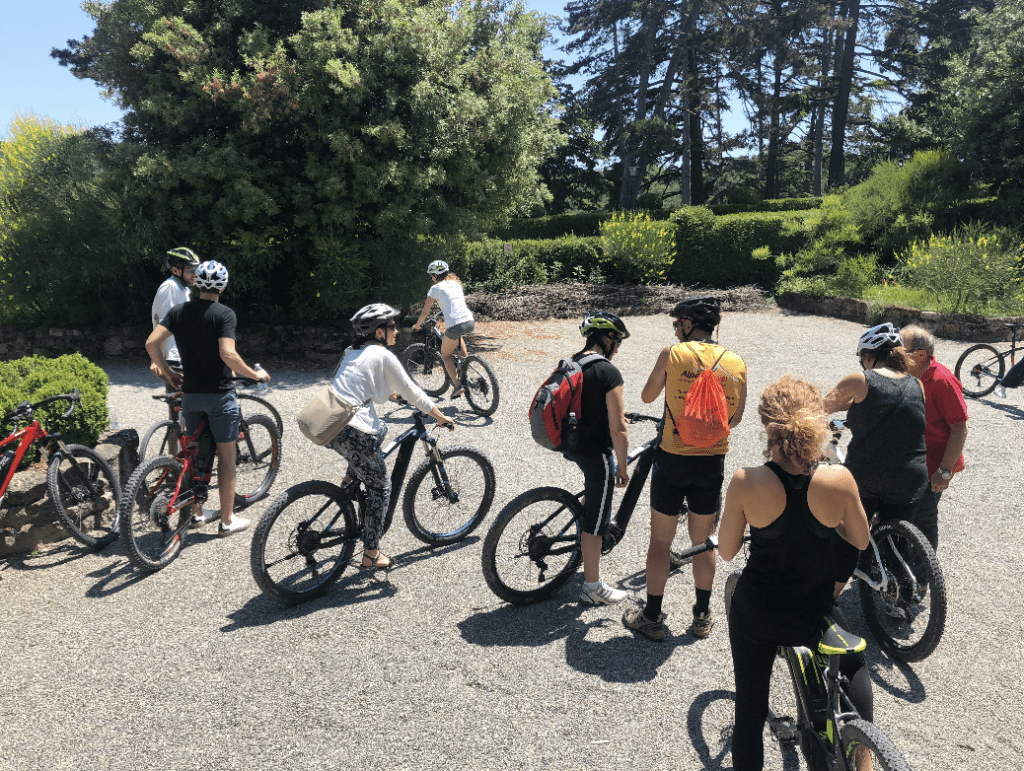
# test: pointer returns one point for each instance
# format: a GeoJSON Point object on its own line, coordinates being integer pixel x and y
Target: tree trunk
{"type": "Point", "coordinates": [771, 184]}
{"type": "Point", "coordinates": [697, 196]}
{"type": "Point", "coordinates": [634, 165]}
{"type": "Point", "coordinates": [841, 109]}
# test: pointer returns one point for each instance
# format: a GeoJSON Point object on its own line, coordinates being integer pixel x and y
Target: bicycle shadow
{"type": "Point", "coordinates": [709, 725]}
{"type": "Point", "coordinates": [64, 553]}
{"type": "Point", "coordinates": [1012, 411]}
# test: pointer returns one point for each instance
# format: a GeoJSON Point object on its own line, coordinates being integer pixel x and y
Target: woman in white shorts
{"type": "Point", "coordinates": [447, 291]}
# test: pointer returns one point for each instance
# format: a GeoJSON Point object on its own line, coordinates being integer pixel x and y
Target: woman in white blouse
{"type": "Point", "coordinates": [458, 318]}
{"type": "Point", "coordinates": [370, 373]}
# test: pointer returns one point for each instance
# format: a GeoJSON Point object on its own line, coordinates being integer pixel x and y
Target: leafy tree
{"type": "Point", "coordinates": [311, 145]}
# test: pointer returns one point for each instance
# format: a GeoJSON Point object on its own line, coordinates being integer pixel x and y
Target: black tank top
{"type": "Point", "coordinates": [887, 454]}
{"type": "Point", "coordinates": [788, 576]}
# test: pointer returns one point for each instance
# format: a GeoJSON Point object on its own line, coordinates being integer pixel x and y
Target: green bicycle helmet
{"type": "Point", "coordinates": [601, 321]}
{"type": "Point", "coordinates": [180, 257]}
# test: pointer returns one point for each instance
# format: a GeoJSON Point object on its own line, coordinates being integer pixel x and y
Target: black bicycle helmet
{"type": "Point", "coordinates": [705, 312]}
{"type": "Point", "coordinates": [371, 316]}
{"type": "Point", "coordinates": [180, 257]}
{"type": "Point", "coordinates": [602, 321]}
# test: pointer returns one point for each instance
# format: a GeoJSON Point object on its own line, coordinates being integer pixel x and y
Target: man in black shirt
{"type": "Point", "coordinates": [205, 333]}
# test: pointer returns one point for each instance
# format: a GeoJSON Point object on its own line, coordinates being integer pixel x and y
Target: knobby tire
{"type": "Point", "coordinates": [147, 530]}
{"type": "Point", "coordinates": [429, 513]}
{"type": "Point", "coordinates": [265, 407]}
{"type": "Point", "coordinates": [257, 459]}
{"type": "Point", "coordinates": [481, 385]}
{"type": "Point", "coordinates": [861, 733]}
{"type": "Point", "coordinates": [160, 432]}
{"type": "Point", "coordinates": [87, 497]}
{"type": "Point", "coordinates": [417, 358]}
{"type": "Point", "coordinates": [979, 369]}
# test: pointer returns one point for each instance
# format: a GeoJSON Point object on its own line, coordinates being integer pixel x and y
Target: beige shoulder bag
{"type": "Point", "coordinates": [326, 414]}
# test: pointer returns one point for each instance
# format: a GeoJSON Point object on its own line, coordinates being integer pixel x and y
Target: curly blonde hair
{"type": "Point", "coordinates": [793, 414]}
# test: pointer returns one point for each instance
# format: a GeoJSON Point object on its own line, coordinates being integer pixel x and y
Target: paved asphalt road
{"type": "Point", "coordinates": [424, 668]}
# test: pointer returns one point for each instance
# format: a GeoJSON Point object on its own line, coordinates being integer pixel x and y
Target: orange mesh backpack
{"type": "Point", "coordinates": [705, 418]}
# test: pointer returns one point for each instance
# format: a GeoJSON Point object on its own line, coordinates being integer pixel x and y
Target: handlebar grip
{"type": "Point", "coordinates": [75, 398]}
{"type": "Point", "coordinates": [708, 545]}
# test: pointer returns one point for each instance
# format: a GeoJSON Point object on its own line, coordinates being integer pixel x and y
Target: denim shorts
{"type": "Point", "coordinates": [455, 331]}
{"type": "Point", "coordinates": [221, 409]}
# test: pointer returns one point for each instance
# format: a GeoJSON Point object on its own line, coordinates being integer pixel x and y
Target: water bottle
{"type": "Point", "coordinates": [570, 435]}
{"type": "Point", "coordinates": [114, 420]}
{"type": "Point", "coordinates": [261, 386]}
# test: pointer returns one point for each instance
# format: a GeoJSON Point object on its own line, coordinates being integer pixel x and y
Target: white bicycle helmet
{"type": "Point", "coordinates": [212, 276]}
{"type": "Point", "coordinates": [882, 336]}
{"type": "Point", "coordinates": [438, 268]}
{"type": "Point", "coordinates": [369, 317]}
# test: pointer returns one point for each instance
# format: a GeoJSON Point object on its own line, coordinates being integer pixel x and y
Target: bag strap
{"type": "Point", "coordinates": [590, 358]}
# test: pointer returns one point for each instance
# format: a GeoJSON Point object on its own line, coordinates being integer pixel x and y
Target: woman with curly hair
{"type": "Point", "coordinates": [795, 510]}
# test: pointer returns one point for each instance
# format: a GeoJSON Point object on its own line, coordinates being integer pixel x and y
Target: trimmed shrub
{"type": "Point", "coordinates": [485, 267]}
{"type": "Point", "coordinates": [773, 204]}
{"type": "Point", "coordinates": [34, 378]}
{"type": "Point", "coordinates": [636, 249]}
{"type": "Point", "coordinates": [580, 224]}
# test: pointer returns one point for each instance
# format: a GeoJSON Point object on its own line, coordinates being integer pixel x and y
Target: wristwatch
{"type": "Point", "coordinates": [946, 475]}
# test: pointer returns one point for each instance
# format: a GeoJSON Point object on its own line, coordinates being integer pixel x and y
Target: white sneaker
{"type": "Point", "coordinates": [1001, 391]}
{"type": "Point", "coordinates": [599, 593]}
{"type": "Point", "coordinates": [238, 524]}
{"type": "Point", "coordinates": [207, 516]}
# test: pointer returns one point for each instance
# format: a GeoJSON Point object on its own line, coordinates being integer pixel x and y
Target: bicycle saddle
{"type": "Point", "coordinates": [835, 640]}
{"type": "Point", "coordinates": [1012, 325]}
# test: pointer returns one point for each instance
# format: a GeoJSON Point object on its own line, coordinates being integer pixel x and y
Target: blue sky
{"type": "Point", "coordinates": [33, 82]}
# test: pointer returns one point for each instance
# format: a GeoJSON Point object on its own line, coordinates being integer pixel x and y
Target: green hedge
{"type": "Point", "coordinates": [580, 224]}
{"type": "Point", "coordinates": [484, 266]}
{"type": "Point", "coordinates": [34, 378]}
{"type": "Point", "coordinates": [716, 251]}
{"type": "Point", "coordinates": [771, 205]}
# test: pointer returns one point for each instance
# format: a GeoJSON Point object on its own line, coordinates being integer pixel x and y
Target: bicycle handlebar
{"type": "Point", "coordinates": [636, 417]}
{"type": "Point", "coordinates": [25, 409]}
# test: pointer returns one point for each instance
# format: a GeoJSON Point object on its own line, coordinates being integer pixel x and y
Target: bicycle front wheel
{"type": "Point", "coordinates": [257, 405]}
{"type": "Point", "coordinates": [149, 531]}
{"type": "Point", "coordinates": [534, 546]}
{"type": "Point", "coordinates": [257, 458]}
{"type": "Point", "coordinates": [303, 542]}
{"type": "Point", "coordinates": [908, 614]}
{"type": "Point", "coordinates": [438, 513]}
{"type": "Point", "coordinates": [157, 441]}
{"type": "Point", "coordinates": [481, 385]}
{"type": "Point", "coordinates": [979, 370]}
{"type": "Point", "coordinates": [862, 740]}
{"type": "Point", "coordinates": [86, 495]}
{"type": "Point", "coordinates": [426, 368]}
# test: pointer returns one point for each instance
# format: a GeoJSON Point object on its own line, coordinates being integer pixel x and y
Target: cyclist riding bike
{"type": "Point", "coordinates": [601, 446]}
{"type": "Point", "coordinates": [794, 509]}
{"type": "Point", "coordinates": [370, 373]}
{"type": "Point", "coordinates": [683, 474]}
{"type": "Point", "coordinates": [447, 291]}
{"type": "Point", "coordinates": [886, 416]}
{"type": "Point", "coordinates": [182, 264]}
{"type": "Point", "coordinates": [205, 334]}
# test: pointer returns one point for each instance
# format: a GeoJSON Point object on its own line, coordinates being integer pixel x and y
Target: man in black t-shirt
{"type": "Point", "coordinates": [205, 333]}
{"type": "Point", "coordinates": [601, 450]}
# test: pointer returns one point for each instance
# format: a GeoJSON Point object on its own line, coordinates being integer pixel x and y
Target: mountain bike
{"type": "Point", "coordinates": [156, 509]}
{"type": "Point", "coordinates": [534, 545]}
{"type": "Point", "coordinates": [82, 487]}
{"type": "Point", "coordinates": [900, 583]}
{"type": "Point", "coordinates": [824, 711]}
{"type": "Point", "coordinates": [981, 367]}
{"type": "Point", "coordinates": [425, 366]}
{"type": "Point", "coordinates": [307, 535]}
{"type": "Point", "coordinates": [257, 452]}
{"type": "Point", "coordinates": [156, 440]}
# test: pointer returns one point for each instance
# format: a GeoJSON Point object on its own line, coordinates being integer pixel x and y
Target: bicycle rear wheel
{"type": "Point", "coordinates": [149, 531]}
{"type": "Point", "coordinates": [481, 385]}
{"type": "Point", "coordinates": [257, 405]}
{"type": "Point", "coordinates": [534, 546]}
{"type": "Point", "coordinates": [908, 615]}
{"type": "Point", "coordinates": [257, 458]}
{"type": "Point", "coordinates": [863, 739]}
{"type": "Point", "coordinates": [979, 369]}
{"type": "Point", "coordinates": [426, 368]}
{"type": "Point", "coordinates": [86, 495]}
{"type": "Point", "coordinates": [429, 512]}
{"type": "Point", "coordinates": [303, 542]}
{"type": "Point", "coordinates": [157, 440]}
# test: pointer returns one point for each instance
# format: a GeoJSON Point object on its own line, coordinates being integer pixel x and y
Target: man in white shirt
{"type": "Point", "coordinates": [175, 290]}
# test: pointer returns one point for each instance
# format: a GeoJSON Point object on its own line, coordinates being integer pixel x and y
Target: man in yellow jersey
{"type": "Point", "coordinates": [685, 475]}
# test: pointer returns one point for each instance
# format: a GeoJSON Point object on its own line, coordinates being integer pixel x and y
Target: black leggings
{"type": "Point", "coordinates": [754, 649]}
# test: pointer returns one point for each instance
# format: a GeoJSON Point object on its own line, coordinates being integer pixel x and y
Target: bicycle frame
{"type": "Point", "coordinates": [29, 434]}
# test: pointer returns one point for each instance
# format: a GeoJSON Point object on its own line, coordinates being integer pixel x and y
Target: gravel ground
{"type": "Point", "coordinates": [423, 668]}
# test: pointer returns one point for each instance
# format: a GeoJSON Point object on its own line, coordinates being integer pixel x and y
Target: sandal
{"type": "Point", "coordinates": [458, 392]}
{"type": "Point", "coordinates": [371, 563]}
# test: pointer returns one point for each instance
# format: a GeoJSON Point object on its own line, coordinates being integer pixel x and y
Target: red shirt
{"type": "Point", "coordinates": [944, 406]}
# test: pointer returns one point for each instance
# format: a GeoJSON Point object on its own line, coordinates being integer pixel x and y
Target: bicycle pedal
{"type": "Point", "coordinates": [784, 730]}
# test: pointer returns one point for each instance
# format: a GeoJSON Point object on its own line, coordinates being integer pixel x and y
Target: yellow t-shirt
{"type": "Point", "coordinates": [681, 372]}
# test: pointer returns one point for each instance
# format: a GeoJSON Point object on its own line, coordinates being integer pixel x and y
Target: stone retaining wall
{"type": "Point", "coordinates": [28, 520]}
{"type": "Point", "coordinates": [966, 327]}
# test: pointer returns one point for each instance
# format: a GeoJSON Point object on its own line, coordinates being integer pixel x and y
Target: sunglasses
{"type": "Point", "coordinates": [392, 325]}
{"type": "Point", "coordinates": [190, 271]}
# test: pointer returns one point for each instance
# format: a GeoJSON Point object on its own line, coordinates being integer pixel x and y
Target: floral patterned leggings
{"type": "Point", "coordinates": [366, 462]}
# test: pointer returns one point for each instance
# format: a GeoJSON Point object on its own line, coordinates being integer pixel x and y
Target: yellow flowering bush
{"type": "Point", "coordinates": [637, 249]}
{"type": "Point", "coordinates": [975, 270]}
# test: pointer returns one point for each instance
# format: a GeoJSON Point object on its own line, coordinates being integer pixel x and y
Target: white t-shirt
{"type": "Point", "coordinates": [374, 373]}
{"type": "Point", "coordinates": [449, 296]}
{"type": "Point", "coordinates": [172, 292]}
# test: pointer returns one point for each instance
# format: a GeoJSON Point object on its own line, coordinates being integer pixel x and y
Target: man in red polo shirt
{"type": "Point", "coordinates": [946, 428]}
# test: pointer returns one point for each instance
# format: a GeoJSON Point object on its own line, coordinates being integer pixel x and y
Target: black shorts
{"type": "Point", "coordinates": [691, 480]}
{"type": "Point", "coordinates": [599, 486]}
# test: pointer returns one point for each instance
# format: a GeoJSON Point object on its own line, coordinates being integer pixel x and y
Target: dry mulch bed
{"type": "Point", "coordinates": [570, 299]}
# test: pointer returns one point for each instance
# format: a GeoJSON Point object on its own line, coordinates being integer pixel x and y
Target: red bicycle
{"type": "Point", "coordinates": [81, 485]}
